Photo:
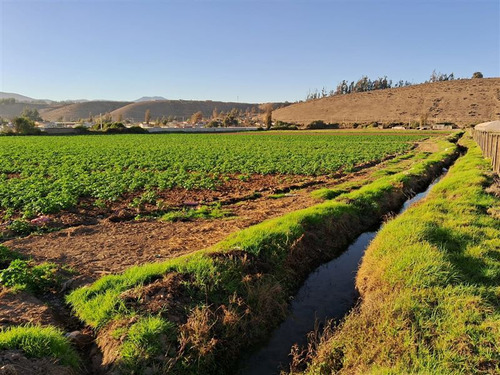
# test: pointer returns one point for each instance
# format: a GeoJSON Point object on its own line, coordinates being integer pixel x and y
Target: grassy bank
{"type": "Point", "coordinates": [196, 313]}
{"type": "Point", "coordinates": [429, 284]}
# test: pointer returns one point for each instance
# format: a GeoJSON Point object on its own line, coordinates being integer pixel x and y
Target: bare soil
{"type": "Point", "coordinates": [13, 362]}
{"type": "Point", "coordinates": [18, 308]}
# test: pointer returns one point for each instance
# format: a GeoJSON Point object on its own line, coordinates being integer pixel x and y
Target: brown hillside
{"type": "Point", "coordinates": [462, 102]}
{"type": "Point", "coordinates": [76, 111]}
{"type": "Point", "coordinates": [178, 108]}
{"type": "Point", "coordinates": [10, 111]}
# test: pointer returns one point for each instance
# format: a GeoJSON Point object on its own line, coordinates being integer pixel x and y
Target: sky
{"type": "Point", "coordinates": [239, 50]}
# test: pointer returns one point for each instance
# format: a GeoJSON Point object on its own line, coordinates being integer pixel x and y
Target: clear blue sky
{"type": "Point", "coordinates": [251, 51]}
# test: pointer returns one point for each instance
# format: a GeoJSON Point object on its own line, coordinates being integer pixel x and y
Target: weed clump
{"type": "Point", "coordinates": [38, 342]}
{"type": "Point", "coordinates": [203, 212]}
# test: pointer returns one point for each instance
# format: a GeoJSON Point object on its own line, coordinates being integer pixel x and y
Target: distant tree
{"type": "Point", "coordinates": [147, 116]}
{"type": "Point", "coordinates": [438, 77]}
{"type": "Point", "coordinates": [196, 117]}
{"type": "Point", "coordinates": [215, 114]}
{"type": "Point", "coordinates": [7, 101]}
{"type": "Point", "coordinates": [31, 114]}
{"type": "Point", "coordinates": [120, 117]}
{"type": "Point", "coordinates": [23, 125]}
{"type": "Point", "coordinates": [477, 75]}
{"type": "Point", "coordinates": [214, 124]}
{"type": "Point", "coordinates": [235, 112]}
{"type": "Point", "coordinates": [267, 108]}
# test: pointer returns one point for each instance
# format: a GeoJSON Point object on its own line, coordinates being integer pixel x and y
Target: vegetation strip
{"type": "Point", "coordinates": [201, 310]}
{"type": "Point", "coordinates": [429, 286]}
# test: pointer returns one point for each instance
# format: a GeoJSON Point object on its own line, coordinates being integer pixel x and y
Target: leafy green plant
{"type": "Point", "coordinates": [7, 256]}
{"type": "Point", "coordinates": [22, 274]}
{"type": "Point", "coordinates": [146, 197]}
{"type": "Point", "coordinates": [21, 227]}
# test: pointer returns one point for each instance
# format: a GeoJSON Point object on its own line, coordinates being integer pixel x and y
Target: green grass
{"type": "Point", "coordinates": [39, 342]}
{"type": "Point", "coordinates": [430, 287]}
{"type": "Point", "coordinates": [239, 288]}
{"type": "Point", "coordinates": [146, 339]}
{"type": "Point", "coordinates": [203, 212]}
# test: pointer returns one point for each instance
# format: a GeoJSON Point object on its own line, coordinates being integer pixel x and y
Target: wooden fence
{"type": "Point", "coordinates": [490, 145]}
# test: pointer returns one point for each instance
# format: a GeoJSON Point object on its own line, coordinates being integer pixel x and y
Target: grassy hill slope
{"type": "Point", "coordinates": [462, 102]}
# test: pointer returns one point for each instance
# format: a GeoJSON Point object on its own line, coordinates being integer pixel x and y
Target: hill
{"type": "Point", "coordinates": [83, 110]}
{"type": "Point", "coordinates": [178, 108]}
{"type": "Point", "coordinates": [149, 98]}
{"type": "Point", "coordinates": [11, 110]}
{"type": "Point", "coordinates": [463, 102]}
{"type": "Point", "coordinates": [22, 98]}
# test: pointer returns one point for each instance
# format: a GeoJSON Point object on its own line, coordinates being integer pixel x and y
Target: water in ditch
{"type": "Point", "coordinates": [328, 293]}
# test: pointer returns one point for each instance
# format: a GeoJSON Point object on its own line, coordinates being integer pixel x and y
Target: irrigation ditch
{"type": "Point", "coordinates": [328, 293]}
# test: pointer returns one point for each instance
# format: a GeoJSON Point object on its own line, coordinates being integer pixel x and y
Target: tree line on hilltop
{"type": "Point", "coordinates": [365, 84]}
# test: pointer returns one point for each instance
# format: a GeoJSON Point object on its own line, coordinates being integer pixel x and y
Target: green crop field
{"type": "Point", "coordinates": [44, 175]}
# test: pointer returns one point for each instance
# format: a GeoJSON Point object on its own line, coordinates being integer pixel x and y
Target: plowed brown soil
{"type": "Point", "coordinates": [109, 247]}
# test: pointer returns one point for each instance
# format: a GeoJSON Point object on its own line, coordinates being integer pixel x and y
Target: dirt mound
{"type": "Point", "coordinates": [462, 102]}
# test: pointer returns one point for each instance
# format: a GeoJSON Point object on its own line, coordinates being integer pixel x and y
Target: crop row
{"type": "Point", "coordinates": [43, 175]}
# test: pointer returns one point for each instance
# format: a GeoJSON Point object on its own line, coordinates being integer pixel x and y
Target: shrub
{"type": "Point", "coordinates": [319, 124]}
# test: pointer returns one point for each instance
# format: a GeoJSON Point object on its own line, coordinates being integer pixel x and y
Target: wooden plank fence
{"type": "Point", "coordinates": [490, 145]}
